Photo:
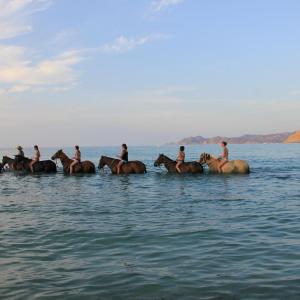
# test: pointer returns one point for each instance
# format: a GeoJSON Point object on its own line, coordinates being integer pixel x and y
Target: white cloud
{"type": "Point", "coordinates": [159, 5]}
{"type": "Point", "coordinates": [124, 44]}
{"type": "Point", "coordinates": [18, 73]}
{"type": "Point", "coordinates": [20, 70]}
{"type": "Point", "coordinates": [14, 16]}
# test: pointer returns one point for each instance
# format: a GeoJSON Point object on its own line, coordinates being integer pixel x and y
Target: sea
{"type": "Point", "coordinates": [154, 236]}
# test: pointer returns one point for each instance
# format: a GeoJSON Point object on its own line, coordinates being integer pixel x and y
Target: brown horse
{"type": "Point", "coordinates": [231, 167]}
{"type": "Point", "coordinates": [84, 167]}
{"type": "Point", "coordinates": [187, 167]}
{"type": "Point", "coordinates": [132, 167]}
{"type": "Point", "coordinates": [44, 166]}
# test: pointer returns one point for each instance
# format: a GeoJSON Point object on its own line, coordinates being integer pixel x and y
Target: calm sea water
{"type": "Point", "coordinates": [154, 236]}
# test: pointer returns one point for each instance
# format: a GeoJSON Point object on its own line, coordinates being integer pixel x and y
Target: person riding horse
{"type": "Point", "coordinates": [76, 159]}
{"type": "Point", "coordinates": [19, 157]}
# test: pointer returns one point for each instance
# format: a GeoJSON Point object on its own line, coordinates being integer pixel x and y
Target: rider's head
{"type": "Point", "coordinates": [124, 146]}
{"type": "Point", "coordinates": [77, 147]}
{"type": "Point", "coordinates": [223, 143]}
{"type": "Point", "coordinates": [181, 148]}
{"type": "Point", "coordinates": [36, 147]}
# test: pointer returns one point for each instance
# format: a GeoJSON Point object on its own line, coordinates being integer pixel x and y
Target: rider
{"type": "Point", "coordinates": [20, 151]}
{"type": "Point", "coordinates": [124, 158]}
{"type": "Point", "coordinates": [20, 154]}
{"type": "Point", "coordinates": [35, 158]}
{"type": "Point", "coordinates": [76, 159]}
{"type": "Point", "coordinates": [180, 158]}
{"type": "Point", "coordinates": [224, 156]}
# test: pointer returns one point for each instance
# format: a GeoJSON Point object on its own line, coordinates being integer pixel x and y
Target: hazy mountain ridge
{"type": "Point", "coordinates": [284, 137]}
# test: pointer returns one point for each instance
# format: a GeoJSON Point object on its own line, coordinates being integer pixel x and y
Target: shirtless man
{"type": "Point", "coordinates": [76, 159]}
{"type": "Point", "coordinates": [35, 158]}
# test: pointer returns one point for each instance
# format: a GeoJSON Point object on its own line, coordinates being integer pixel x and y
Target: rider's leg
{"type": "Point", "coordinates": [31, 164]}
{"type": "Point", "coordinates": [72, 165]}
{"type": "Point", "coordinates": [178, 164]}
{"type": "Point", "coordinates": [119, 167]}
{"type": "Point", "coordinates": [221, 164]}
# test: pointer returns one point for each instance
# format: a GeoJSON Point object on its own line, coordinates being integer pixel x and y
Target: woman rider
{"type": "Point", "coordinates": [76, 159]}
{"type": "Point", "coordinates": [124, 158]}
{"type": "Point", "coordinates": [224, 156]}
{"type": "Point", "coordinates": [180, 158]}
{"type": "Point", "coordinates": [35, 158]}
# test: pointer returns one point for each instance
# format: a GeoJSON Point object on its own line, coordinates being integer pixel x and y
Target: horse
{"type": "Point", "coordinates": [231, 167]}
{"type": "Point", "coordinates": [84, 167]}
{"type": "Point", "coordinates": [187, 167]}
{"type": "Point", "coordinates": [131, 167]}
{"type": "Point", "coordinates": [46, 166]}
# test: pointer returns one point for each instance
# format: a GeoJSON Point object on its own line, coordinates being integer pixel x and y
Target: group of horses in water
{"type": "Point", "coordinates": [131, 167]}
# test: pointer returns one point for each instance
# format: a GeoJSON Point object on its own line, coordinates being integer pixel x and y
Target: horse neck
{"type": "Point", "coordinates": [9, 160]}
{"type": "Point", "coordinates": [109, 162]}
{"type": "Point", "coordinates": [212, 163]}
{"type": "Point", "coordinates": [65, 159]}
{"type": "Point", "coordinates": [168, 162]}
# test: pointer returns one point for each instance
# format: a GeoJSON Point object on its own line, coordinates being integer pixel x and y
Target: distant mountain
{"type": "Point", "coordinates": [294, 138]}
{"type": "Point", "coordinates": [244, 139]}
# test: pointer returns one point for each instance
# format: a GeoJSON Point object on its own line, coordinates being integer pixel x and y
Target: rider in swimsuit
{"type": "Point", "coordinates": [180, 158]}
{"type": "Point", "coordinates": [224, 156]}
{"type": "Point", "coordinates": [124, 158]}
{"type": "Point", "coordinates": [35, 158]}
{"type": "Point", "coordinates": [76, 159]}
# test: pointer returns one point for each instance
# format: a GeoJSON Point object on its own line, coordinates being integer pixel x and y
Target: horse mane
{"type": "Point", "coordinates": [165, 156]}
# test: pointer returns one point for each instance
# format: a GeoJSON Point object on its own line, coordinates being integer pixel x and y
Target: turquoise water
{"type": "Point", "coordinates": [154, 236]}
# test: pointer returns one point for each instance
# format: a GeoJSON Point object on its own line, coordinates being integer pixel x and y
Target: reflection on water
{"type": "Point", "coordinates": [154, 236]}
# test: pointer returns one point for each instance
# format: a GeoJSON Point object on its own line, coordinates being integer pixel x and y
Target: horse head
{"type": "Point", "coordinates": [5, 160]}
{"type": "Point", "coordinates": [204, 158]}
{"type": "Point", "coordinates": [160, 160]}
{"type": "Point", "coordinates": [102, 163]}
{"type": "Point", "coordinates": [57, 155]}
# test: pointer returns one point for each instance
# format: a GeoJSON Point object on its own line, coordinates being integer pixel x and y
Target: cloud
{"type": "Point", "coordinates": [18, 73]}
{"type": "Point", "coordinates": [14, 16]}
{"type": "Point", "coordinates": [159, 5]}
{"type": "Point", "coordinates": [21, 70]}
{"type": "Point", "coordinates": [123, 44]}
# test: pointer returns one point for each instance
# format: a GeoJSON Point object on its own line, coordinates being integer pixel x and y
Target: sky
{"type": "Point", "coordinates": [146, 72]}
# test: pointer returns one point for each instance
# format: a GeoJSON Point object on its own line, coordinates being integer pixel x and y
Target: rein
{"type": "Point", "coordinates": [111, 165]}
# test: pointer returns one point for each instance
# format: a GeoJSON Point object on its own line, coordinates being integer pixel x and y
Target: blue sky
{"type": "Point", "coordinates": [104, 72]}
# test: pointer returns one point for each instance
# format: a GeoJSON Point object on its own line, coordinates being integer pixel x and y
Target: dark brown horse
{"type": "Point", "coordinates": [187, 167]}
{"type": "Point", "coordinates": [84, 167]}
{"type": "Point", "coordinates": [44, 166]}
{"type": "Point", "coordinates": [132, 167]}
